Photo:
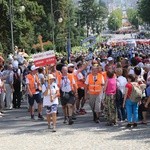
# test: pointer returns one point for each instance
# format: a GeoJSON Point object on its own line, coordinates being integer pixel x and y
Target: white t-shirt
{"type": "Point", "coordinates": [121, 83]}
{"type": "Point", "coordinates": [65, 84]}
{"type": "Point", "coordinates": [79, 75]}
{"type": "Point", "coordinates": [46, 100]}
{"type": "Point", "coordinates": [41, 76]}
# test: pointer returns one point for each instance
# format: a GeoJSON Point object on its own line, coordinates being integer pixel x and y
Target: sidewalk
{"type": "Point", "coordinates": [18, 131]}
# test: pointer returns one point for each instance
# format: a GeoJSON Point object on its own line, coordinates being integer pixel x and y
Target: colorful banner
{"type": "Point", "coordinates": [44, 58]}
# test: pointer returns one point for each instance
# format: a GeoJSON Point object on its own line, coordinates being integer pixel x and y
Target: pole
{"type": "Point", "coordinates": [69, 38]}
{"type": "Point", "coordinates": [11, 24]}
{"type": "Point", "coordinates": [53, 34]}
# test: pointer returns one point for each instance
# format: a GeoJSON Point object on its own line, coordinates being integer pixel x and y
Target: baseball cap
{"type": "Point", "coordinates": [110, 59]}
{"type": "Point", "coordinates": [33, 67]}
{"type": "Point", "coordinates": [70, 65]}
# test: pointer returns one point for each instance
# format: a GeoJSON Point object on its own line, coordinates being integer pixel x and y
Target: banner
{"type": "Point", "coordinates": [89, 41]}
{"type": "Point", "coordinates": [44, 58]}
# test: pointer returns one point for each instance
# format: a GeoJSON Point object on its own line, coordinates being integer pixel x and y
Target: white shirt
{"type": "Point", "coordinates": [148, 76]}
{"type": "Point", "coordinates": [79, 75]}
{"type": "Point", "coordinates": [121, 83]}
{"type": "Point", "coordinates": [65, 84]}
{"type": "Point", "coordinates": [53, 89]}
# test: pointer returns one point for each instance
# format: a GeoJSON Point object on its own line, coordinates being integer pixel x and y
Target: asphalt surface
{"type": "Point", "coordinates": [19, 132]}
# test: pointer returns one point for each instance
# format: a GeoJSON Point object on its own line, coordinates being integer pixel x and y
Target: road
{"type": "Point", "coordinates": [18, 132]}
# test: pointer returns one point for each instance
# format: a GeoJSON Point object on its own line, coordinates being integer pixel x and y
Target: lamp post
{"type": "Point", "coordinates": [11, 24]}
{"type": "Point", "coordinates": [60, 20]}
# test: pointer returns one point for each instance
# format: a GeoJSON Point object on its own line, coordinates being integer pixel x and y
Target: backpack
{"type": "Point", "coordinates": [136, 93]}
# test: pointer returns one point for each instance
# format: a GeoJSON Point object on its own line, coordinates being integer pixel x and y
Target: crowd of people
{"type": "Point", "coordinates": [115, 83]}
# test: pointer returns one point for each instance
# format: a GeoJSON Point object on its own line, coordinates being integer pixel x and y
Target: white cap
{"type": "Point", "coordinates": [15, 64]}
{"type": "Point", "coordinates": [70, 65]}
{"type": "Point", "coordinates": [33, 67]}
{"type": "Point", "coordinates": [110, 59]}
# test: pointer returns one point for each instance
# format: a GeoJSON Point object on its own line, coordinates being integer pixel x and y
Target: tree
{"type": "Point", "coordinates": [115, 20]}
{"type": "Point", "coordinates": [132, 15]}
{"type": "Point", "coordinates": [143, 10]}
{"type": "Point", "coordinates": [92, 13]}
{"type": "Point", "coordinates": [23, 23]}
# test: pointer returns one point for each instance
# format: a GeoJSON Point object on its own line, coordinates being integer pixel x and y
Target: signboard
{"type": "Point", "coordinates": [44, 58]}
{"type": "Point", "coordinates": [89, 41]}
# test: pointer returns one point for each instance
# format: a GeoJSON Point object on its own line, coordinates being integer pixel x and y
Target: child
{"type": "Point", "coordinates": [50, 100]}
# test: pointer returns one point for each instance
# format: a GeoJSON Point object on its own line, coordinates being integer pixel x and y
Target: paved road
{"type": "Point", "coordinates": [18, 132]}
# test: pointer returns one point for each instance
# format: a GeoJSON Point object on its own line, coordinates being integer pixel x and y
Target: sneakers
{"type": "Point", "coordinates": [134, 125]}
{"type": "Point", "coordinates": [40, 117]}
{"type": "Point", "coordinates": [83, 110]}
{"type": "Point", "coordinates": [74, 117]}
{"type": "Point", "coordinates": [54, 129]}
{"type": "Point", "coordinates": [70, 122]}
{"type": "Point", "coordinates": [131, 125]}
{"type": "Point", "coordinates": [65, 120]}
{"type": "Point", "coordinates": [50, 126]}
{"type": "Point", "coordinates": [128, 125]}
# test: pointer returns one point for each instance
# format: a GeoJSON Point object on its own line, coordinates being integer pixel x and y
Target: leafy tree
{"type": "Point", "coordinates": [91, 12]}
{"type": "Point", "coordinates": [143, 10]}
{"type": "Point", "coordinates": [115, 20]}
{"type": "Point", "coordinates": [133, 17]}
{"type": "Point", "coordinates": [23, 23]}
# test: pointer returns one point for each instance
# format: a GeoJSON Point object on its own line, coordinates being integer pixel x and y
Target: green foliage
{"type": "Point", "coordinates": [133, 17]}
{"type": "Point", "coordinates": [144, 9]}
{"type": "Point", "coordinates": [115, 20]}
{"type": "Point", "coordinates": [92, 14]}
{"type": "Point", "coordinates": [34, 17]}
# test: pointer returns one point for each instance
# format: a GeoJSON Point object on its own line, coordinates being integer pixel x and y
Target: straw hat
{"type": "Point", "coordinates": [50, 76]}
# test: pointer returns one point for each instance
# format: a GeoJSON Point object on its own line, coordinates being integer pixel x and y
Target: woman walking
{"type": "Point", "coordinates": [131, 106]}
{"type": "Point", "coordinates": [110, 91]}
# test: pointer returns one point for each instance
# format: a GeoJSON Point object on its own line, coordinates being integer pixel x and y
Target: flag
{"type": "Point", "coordinates": [68, 49]}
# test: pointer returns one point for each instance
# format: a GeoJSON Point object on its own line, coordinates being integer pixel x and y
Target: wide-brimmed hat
{"type": "Point", "coordinates": [50, 76]}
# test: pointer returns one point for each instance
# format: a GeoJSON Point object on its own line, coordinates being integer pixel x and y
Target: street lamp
{"type": "Point", "coordinates": [11, 15]}
{"type": "Point", "coordinates": [11, 24]}
{"type": "Point", "coordinates": [60, 20]}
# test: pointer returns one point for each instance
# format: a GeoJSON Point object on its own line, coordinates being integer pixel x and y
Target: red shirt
{"type": "Point", "coordinates": [129, 87]}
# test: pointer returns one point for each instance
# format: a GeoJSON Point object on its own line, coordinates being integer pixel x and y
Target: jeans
{"type": "Point", "coordinates": [132, 111]}
{"type": "Point", "coordinates": [121, 113]}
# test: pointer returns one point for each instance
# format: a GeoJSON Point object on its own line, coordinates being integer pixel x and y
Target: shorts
{"type": "Point", "coordinates": [80, 93]}
{"type": "Point", "coordinates": [51, 109]}
{"type": "Point", "coordinates": [35, 97]}
{"type": "Point", "coordinates": [95, 103]}
{"type": "Point", "coordinates": [69, 99]}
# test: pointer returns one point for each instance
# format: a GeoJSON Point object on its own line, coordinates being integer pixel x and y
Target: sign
{"type": "Point", "coordinates": [89, 41]}
{"type": "Point", "coordinates": [44, 58]}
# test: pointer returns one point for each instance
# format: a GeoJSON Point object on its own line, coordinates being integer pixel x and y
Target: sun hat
{"type": "Point", "coordinates": [50, 76]}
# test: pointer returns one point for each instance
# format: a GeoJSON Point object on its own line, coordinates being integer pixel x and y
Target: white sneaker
{"type": "Point", "coordinates": [54, 129]}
